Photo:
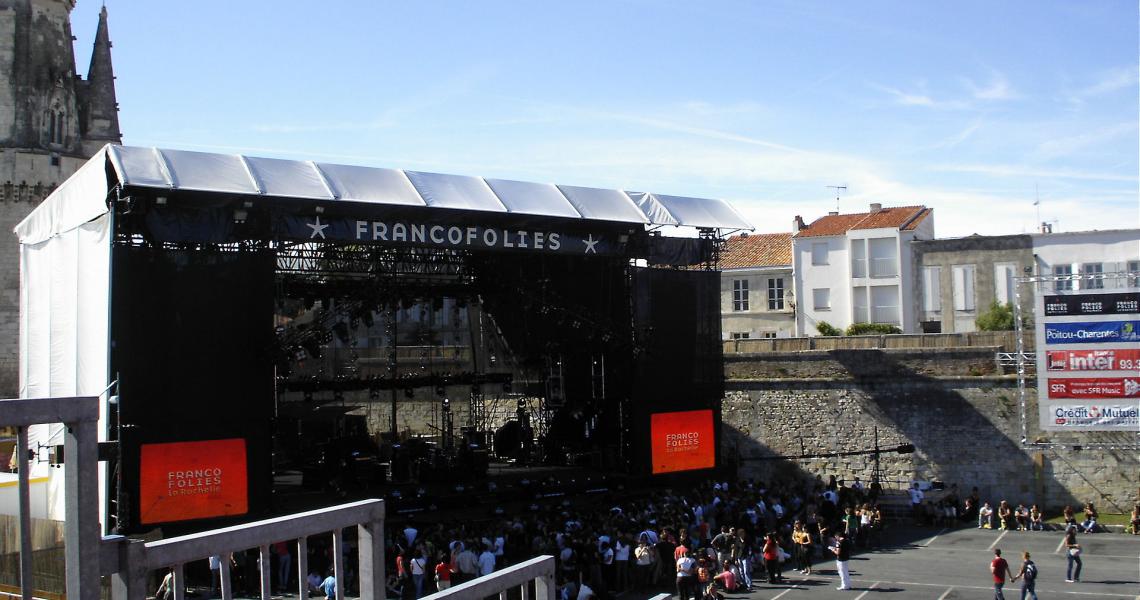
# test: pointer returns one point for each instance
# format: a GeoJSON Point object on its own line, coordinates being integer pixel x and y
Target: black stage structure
{"type": "Point", "coordinates": [253, 298]}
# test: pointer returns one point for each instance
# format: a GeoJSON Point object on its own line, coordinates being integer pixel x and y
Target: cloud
{"type": "Point", "coordinates": [921, 99]}
{"type": "Point", "coordinates": [1066, 146]}
{"type": "Point", "coordinates": [997, 89]}
{"type": "Point", "coordinates": [1111, 81]}
{"type": "Point", "coordinates": [1025, 172]}
{"type": "Point", "coordinates": [959, 137]}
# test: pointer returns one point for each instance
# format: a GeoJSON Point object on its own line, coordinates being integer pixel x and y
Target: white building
{"type": "Point", "coordinates": [1104, 255]}
{"type": "Point", "coordinates": [856, 268]}
{"type": "Point", "coordinates": [756, 287]}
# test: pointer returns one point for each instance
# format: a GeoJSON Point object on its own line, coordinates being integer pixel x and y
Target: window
{"type": "Point", "coordinates": [858, 258]}
{"type": "Point", "coordinates": [768, 335]}
{"type": "Point", "coordinates": [883, 263]}
{"type": "Point", "coordinates": [932, 289]}
{"type": "Point", "coordinates": [1095, 269]}
{"type": "Point", "coordinates": [739, 295]}
{"type": "Point", "coordinates": [1004, 273]}
{"type": "Point", "coordinates": [740, 335]}
{"type": "Point", "coordinates": [819, 253]}
{"type": "Point", "coordinates": [860, 305]}
{"type": "Point", "coordinates": [964, 287]}
{"type": "Point", "coordinates": [821, 298]}
{"type": "Point", "coordinates": [776, 293]}
{"type": "Point", "coordinates": [885, 304]}
{"type": "Point", "coordinates": [1134, 273]}
{"type": "Point", "coordinates": [1063, 271]}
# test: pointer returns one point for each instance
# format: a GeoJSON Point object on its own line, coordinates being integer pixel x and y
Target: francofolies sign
{"type": "Point", "coordinates": [319, 228]}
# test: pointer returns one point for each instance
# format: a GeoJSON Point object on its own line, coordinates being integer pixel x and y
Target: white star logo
{"type": "Point", "coordinates": [590, 243]}
{"type": "Point", "coordinates": [317, 228]}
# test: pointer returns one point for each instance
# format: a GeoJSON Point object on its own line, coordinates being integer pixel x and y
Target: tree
{"type": "Point", "coordinates": [998, 317]}
{"type": "Point", "coordinates": [826, 328]}
{"type": "Point", "coordinates": [872, 328]}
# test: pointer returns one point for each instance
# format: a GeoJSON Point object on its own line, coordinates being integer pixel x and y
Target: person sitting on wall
{"type": "Point", "coordinates": [1022, 515]}
{"type": "Point", "coordinates": [1036, 518]}
{"type": "Point", "coordinates": [985, 516]}
{"type": "Point", "coordinates": [1005, 516]}
{"type": "Point", "coordinates": [1089, 526]}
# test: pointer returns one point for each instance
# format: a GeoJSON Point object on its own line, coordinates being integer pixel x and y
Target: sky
{"type": "Point", "coordinates": [976, 109]}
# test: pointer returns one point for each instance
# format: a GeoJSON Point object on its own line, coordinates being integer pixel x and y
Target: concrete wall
{"type": "Point", "coordinates": [964, 420]}
{"type": "Point", "coordinates": [836, 276]}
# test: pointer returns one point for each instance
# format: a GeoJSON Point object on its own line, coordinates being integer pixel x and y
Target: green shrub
{"type": "Point", "coordinates": [872, 329]}
{"type": "Point", "coordinates": [825, 328]}
{"type": "Point", "coordinates": [998, 317]}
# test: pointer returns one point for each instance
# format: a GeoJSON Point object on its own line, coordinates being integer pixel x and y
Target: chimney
{"type": "Point", "coordinates": [1046, 227]}
{"type": "Point", "coordinates": [798, 224]}
{"type": "Point", "coordinates": [876, 207]}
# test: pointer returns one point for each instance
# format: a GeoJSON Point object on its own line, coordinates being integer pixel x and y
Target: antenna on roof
{"type": "Point", "coordinates": [1037, 201]}
{"type": "Point", "coordinates": [837, 188]}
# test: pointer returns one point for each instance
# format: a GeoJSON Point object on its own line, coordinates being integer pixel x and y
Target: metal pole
{"type": "Point", "coordinates": [224, 575]}
{"type": "Point", "coordinates": [303, 568]}
{"type": "Point", "coordinates": [179, 582]}
{"type": "Point", "coordinates": [26, 581]}
{"type": "Point", "coordinates": [266, 572]}
{"type": "Point", "coordinates": [338, 562]}
{"type": "Point", "coordinates": [81, 485]}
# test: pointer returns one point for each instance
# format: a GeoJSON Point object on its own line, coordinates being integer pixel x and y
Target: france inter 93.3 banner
{"type": "Point", "coordinates": [1088, 360]}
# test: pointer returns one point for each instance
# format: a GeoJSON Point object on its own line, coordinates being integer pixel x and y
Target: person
{"type": "Point", "coordinates": [772, 558]}
{"type": "Point", "coordinates": [916, 498]}
{"type": "Point", "coordinates": [1036, 518]}
{"type": "Point", "coordinates": [468, 565]}
{"type": "Point", "coordinates": [1073, 550]}
{"type": "Point", "coordinates": [1070, 519]}
{"type": "Point", "coordinates": [1000, 570]}
{"type": "Point", "coordinates": [1005, 516]}
{"type": "Point", "coordinates": [842, 552]}
{"type": "Point", "coordinates": [985, 517]}
{"type": "Point", "coordinates": [686, 575]}
{"type": "Point", "coordinates": [328, 586]}
{"type": "Point", "coordinates": [1089, 526]}
{"type": "Point", "coordinates": [802, 540]}
{"type": "Point", "coordinates": [742, 552]}
{"type": "Point", "coordinates": [644, 557]}
{"type": "Point", "coordinates": [1028, 576]}
{"type": "Point", "coordinates": [442, 573]}
{"type": "Point", "coordinates": [1134, 520]}
{"type": "Point", "coordinates": [726, 578]}
{"type": "Point", "coordinates": [486, 562]}
{"type": "Point", "coordinates": [418, 565]}
{"type": "Point", "coordinates": [284, 564]}
{"type": "Point", "coordinates": [1022, 515]}
{"type": "Point", "coordinates": [166, 588]}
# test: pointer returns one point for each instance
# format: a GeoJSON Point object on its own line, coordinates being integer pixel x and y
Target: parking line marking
{"type": "Point", "coordinates": [946, 593]}
{"type": "Point", "coordinates": [998, 539]}
{"type": "Point", "coordinates": [931, 540]}
{"type": "Point", "coordinates": [868, 591]}
{"type": "Point", "coordinates": [794, 586]}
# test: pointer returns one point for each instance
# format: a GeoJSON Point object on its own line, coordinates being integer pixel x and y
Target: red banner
{"type": "Point", "coordinates": [1098, 387]}
{"type": "Point", "coordinates": [682, 441]}
{"type": "Point", "coordinates": [1114, 359]}
{"type": "Point", "coordinates": [192, 480]}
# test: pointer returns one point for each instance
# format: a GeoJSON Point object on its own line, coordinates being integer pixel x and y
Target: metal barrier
{"type": "Point", "coordinates": [540, 570]}
{"type": "Point", "coordinates": [81, 491]}
{"type": "Point", "coordinates": [129, 561]}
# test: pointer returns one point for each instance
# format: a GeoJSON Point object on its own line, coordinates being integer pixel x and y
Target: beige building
{"type": "Point", "coordinates": [51, 122]}
{"type": "Point", "coordinates": [756, 287]}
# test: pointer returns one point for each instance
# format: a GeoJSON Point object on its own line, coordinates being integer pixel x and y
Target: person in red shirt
{"type": "Point", "coordinates": [1000, 570]}
{"type": "Point", "coordinates": [442, 573]}
{"type": "Point", "coordinates": [727, 578]}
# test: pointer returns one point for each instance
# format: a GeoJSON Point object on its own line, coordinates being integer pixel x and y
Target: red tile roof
{"type": "Point", "coordinates": [757, 250]}
{"type": "Point", "coordinates": [905, 217]}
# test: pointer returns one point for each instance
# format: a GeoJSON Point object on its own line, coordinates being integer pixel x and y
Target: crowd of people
{"type": "Point", "coordinates": [700, 542]}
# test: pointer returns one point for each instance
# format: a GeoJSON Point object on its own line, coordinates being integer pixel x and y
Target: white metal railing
{"type": "Point", "coordinates": [539, 570]}
{"type": "Point", "coordinates": [884, 267]}
{"type": "Point", "coordinates": [885, 314]}
{"type": "Point", "coordinates": [129, 561]}
{"type": "Point", "coordinates": [81, 491]}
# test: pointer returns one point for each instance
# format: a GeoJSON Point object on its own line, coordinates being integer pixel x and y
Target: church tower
{"type": "Point", "coordinates": [51, 122]}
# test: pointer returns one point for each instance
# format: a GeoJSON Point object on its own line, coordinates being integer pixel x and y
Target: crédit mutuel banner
{"type": "Point", "coordinates": [1088, 360]}
{"type": "Point", "coordinates": [320, 228]}
{"type": "Point", "coordinates": [180, 481]}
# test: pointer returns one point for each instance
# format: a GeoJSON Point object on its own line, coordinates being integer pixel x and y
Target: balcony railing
{"type": "Point", "coordinates": [539, 570]}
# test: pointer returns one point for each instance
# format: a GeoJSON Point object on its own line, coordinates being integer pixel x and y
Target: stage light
{"type": "Point", "coordinates": [240, 215]}
{"type": "Point", "coordinates": [320, 210]}
{"type": "Point", "coordinates": [160, 200]}
{"type": "Point", "coordinates": [446, 403]}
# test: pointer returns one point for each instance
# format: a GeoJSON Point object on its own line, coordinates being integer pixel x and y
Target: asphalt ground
{"type": "Point", "coordinates": [954, 564]}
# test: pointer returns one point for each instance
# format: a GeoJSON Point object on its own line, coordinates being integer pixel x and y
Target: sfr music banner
{"type": "Point", "coordinates": [1095, 387]}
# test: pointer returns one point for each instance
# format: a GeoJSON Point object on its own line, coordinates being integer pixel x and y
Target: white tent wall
{"type": "Point", "coordinates": [65, 246]}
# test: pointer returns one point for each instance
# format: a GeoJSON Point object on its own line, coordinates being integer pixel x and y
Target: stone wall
{"type": "Point", "coordinates": [966, 427]}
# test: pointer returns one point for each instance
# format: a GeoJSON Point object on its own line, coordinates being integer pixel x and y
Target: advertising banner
{"type": "Point", "coordinates": [1097, 387]}
{"type": "Point", "coordinates": [1059, 416]}
{"type": "Point", "coordinates": [1092, 332]}
{"type": "Point", "coordinates": [682, 441]}
{"type": "Point", "coordinates": [1111, 359]}
{"type": "Point", "coordinates": [181, 481]}
{"type": "Point", "coordinates": [1121, 303]}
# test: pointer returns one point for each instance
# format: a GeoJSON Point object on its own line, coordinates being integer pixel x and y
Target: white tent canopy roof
{"type": "Point", "coordinates": [308, 180]}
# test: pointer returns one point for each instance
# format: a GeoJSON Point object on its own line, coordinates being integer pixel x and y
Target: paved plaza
{"type": "Point", "coordinates": [954, 564]}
